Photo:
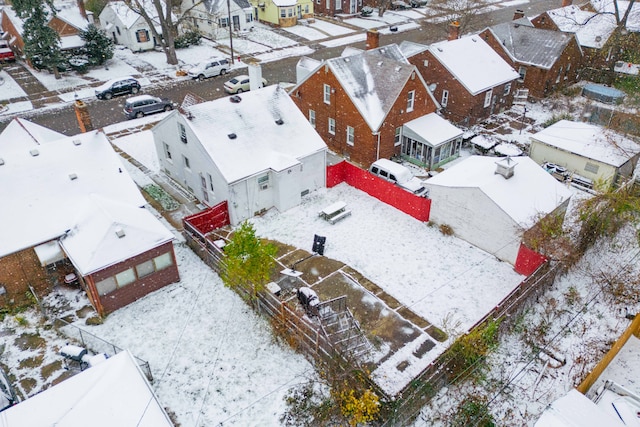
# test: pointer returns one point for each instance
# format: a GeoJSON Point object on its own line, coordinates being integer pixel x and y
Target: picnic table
{"type": "Point", "coordinates": [335, 212]}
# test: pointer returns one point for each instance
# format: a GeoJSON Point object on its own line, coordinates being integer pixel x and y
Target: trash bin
{"type": "Point", "coordinates": [318, 244]}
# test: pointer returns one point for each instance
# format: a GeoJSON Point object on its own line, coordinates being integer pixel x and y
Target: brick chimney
{"type": "Point", "coordinates": [83, 116]}
{"type": "Point", "coordinates": [518, 14]}
{"type": "Point", "coordinates": [454, 30]}
{"type": "Point", "coordinates": [373, 39]}
{"type": "Point", "coordinates": [83, 11]}
{"type": "Point", "coordinates": [566, 3]}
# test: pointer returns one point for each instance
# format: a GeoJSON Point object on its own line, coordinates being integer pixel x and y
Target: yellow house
{"type": "Point", "coordinates": [586, 151]}
{"type": "Point", "coordinates": [282, 13]}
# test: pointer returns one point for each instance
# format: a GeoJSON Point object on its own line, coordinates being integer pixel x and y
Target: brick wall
{"type": "Point", "coordinates": [367, 147]}
{"type": "Point", "coordinates": [18, 271]}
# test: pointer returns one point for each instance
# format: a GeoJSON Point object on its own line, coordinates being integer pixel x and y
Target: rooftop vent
{"type": "Point", "coordinates": [505, 167]}
{"type": "Point", "coordinates": [189, 115]}
{"type": "Point", "coordinates": [235, 99]}
{"type": "Point", "coordinates": [1, 161]}
{"type": "Point", "coordinates": [34, 152]}
{"type": "Point", "coordinates": [120, 232]}
{"type": "Point", "coordinates": [279, 122]}
{"type": "Point", "coordinates": [232, 136]}
{"type": "Point", "coordinates": [73, 176]}
{"type": "Point", "coordinates": [77, 142]}
{"type": "Point", "coordinates": [473, 39]}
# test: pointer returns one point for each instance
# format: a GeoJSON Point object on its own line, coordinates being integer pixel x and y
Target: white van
{"type": "Point", "coordinates": [400, 175]}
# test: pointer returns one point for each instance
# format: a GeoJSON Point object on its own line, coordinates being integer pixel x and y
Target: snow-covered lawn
{"type": "Point", "coordinates": [8, 87]}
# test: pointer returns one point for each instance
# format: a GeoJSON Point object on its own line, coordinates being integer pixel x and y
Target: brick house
{"type": "Point", "coordinates": [469, 79]}
{"type": "Point", "coordinates": [358, 103]}
{"type": "Point", "coordinates": [76, 216]}
{"type": "Point", "coordinates": [545, 60]}
{"type": "Point", "coordinates": [334, 7]}
{"type": "Point", "coordinates": [592, 30]}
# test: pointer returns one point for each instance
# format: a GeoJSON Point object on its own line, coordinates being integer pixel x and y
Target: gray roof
{"type": "Point", "coordinates": [373, 80]}
{"type": "Point", "coordinates": [530, 45]}
{"type": "Point", "coordinates": [213, 6]}
{"type": "Point", "coordinates": [410, 48]}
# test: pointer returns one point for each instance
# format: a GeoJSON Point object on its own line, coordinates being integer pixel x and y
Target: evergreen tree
{"type": "Point", "coordinates": [41, 43]}
{"type": "Point", "coordinates": [98, 47]}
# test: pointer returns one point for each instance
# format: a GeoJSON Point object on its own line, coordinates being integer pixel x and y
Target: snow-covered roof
{"type": "Point", "coordinates": [633, 21]}
{"type": "Point", "coordinates": [213, 6]}
{"type": "Point", "coordinates": [71, 42]}
{"type": "Point", "coordinates": [107, 232]}
{"type": "Point", "coordinates": [530, 45]}
{"type": "Point", "coordinates": [111, 393]}
{"type": "Point", "coordinates": [592, 30]}
{"type": "Point", "coordinates": [15, 20]}
{"type": "Point", "coordinates": [590, 141]}
{"type": "Point", "coordinates": [575, 410]}
{"type": "Point", "coordinates": [260, 143]}
{"type": "Point", "coordinates": [409, 48]}
{"type": "Point", "coordinates": [47, 185]}
{"type": "Point", "coordinates": [434, 129]}
{"type": "Point", "coordinates": [530, 192]}
{"type": "Point", "coordinates": [69, 12]}
{"type": "Point", "coordinates": [19, 133]}
{"type": "Point", "coordinates": [373, 80]}
{"type": "Point", "coordinates": [284, 3]}
{"type": "Point", "coordinates": [129, 17]}
{"type": "Point", "coordinates": [474, 63]}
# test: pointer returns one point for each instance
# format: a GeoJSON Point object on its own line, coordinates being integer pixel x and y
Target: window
{"type": "Point", "coordinates": [290, 12]}
{"type": "Point", "coordinates": [306, 8]}
{"type": "Point", "coordinates": [210, 182]}
{"type": "Point", "coordinates": [566, 73]}
{"type": "Point", "coordinates": [203, 182]}
{"type": "Point", "coordinates": [559, 75]}
{"type": "Point", "coordinates": [350, 135]}
{"type": "Point", "coordinates": [224, 22]}
{"type": "Point", "coordinates": [410, 100]}
{"type": "Point", "coordinates": [507, 89]}
{"type": "Point", "coordinates": [163, 261]}
{"type": "Point", "coordinates": [312, 118]}
{"type": "Point", "coordinates": [145, 269]}
{"type": "Point", "coordinates": [332, 126]}
{"type": "Point", "coordinates": [591, 167]}
{"type": "Point", "coordinates": [338, 4]}
{"type": "Point", "coordinates": [487, 97]}
{"type": "Point", "coordinates": [167, 151]}
{"type": "Point", "coordinates": [118, 30]}
{"type": "Point", "coordinates": [397, 139]}
{"type": "Point", "coordinates": [183, 132]}
{"type": "Point", "coordinates": [249, 17]}
{"type": "Point", "coordinates": [426, 63]}
{"type": "Point", "coordinates": [523, 73]}
{"type": "Point", "coordinates": [327, 94]}
{"type": "Point", "coordinates": [445, 98]}
{"type": "Point", "coordinates": [328, 4]}
{"type": "Point", "coordinates": [186, 162]}
{"type": "Point", "coordinates": [142, 36]}
{"type": "Point", "coordinates": [126, 277]}
{"type": "Point", "coordinates": [107, 285]}
{"type": "Point", "coordinates": [263, 182]}
{"type": "Point", "coordinates": [283, 13]}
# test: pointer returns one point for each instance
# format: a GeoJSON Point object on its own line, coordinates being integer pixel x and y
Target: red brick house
{"type": "Point", "coordinates": [334, 7]}
{"type": "Point", "coordinates": [467, 77]}
{"type": "Point", "coordinates": [358, 103]}
{"type": "Point", "coordinates": [545, 60]}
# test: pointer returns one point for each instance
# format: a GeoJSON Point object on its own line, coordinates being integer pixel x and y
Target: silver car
{"type": "Point", "coordinates": [142, 105]}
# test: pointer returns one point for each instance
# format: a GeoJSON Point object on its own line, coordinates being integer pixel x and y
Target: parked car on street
{"type": "Point", "coordinates": [240, 84]}
{"type": "Point", "coordinates": [418, 3]}
{"type": "Point", "coordinates": [142, 105]}
{"type": "Point", "coordinates": [399, 175]}
{"type": "Point", "coordinates": [117, 87]}
{"type": "Point", "coordinates": [210, 68]}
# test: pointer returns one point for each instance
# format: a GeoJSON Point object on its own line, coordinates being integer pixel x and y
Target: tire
{"type": "Point", "coordinates": [201, 77]}
{"type": "Point", "coordinates": [108, 96]}
{"type": "Point", "coordinates": [134, 90]}
{"type": "Point", "coordinates": [139, 114]}
{"type": "Point", "coordinates": [223, 72]}
{"type": "Point", "coordinates": [168, 108]}
{"type": "Point", "coordinates": [239, 90]}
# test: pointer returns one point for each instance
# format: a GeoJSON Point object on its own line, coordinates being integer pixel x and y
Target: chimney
{"type": "Point", "coordinates": [373, 39]}
{"type": "Point", "coordinates": [454, 30]}
{"type": "Point", "coordinates": [566, 3]}
{"type": "Point", "coordinates": [83, 11]}
{"type": "Point", "coordinates": [82, 114]}
{"type": "Point", "coordinates": [505, 167]}
{"type": "Point", "coordinates": [518, 14]}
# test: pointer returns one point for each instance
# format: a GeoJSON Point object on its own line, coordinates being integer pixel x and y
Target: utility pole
{"type": "Point", "coordinates": [233, 59]}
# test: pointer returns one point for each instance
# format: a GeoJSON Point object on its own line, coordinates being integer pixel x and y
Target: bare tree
{"type": "Point", "coordinates": [465, 12]}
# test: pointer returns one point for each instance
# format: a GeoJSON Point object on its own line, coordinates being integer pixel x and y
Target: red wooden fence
{"type": "Point", "coordinates": [209, 219]}
{"type": "Point", "coordinates": [528, 260]}
{"type": "Point", "coordinates": [417, 207]}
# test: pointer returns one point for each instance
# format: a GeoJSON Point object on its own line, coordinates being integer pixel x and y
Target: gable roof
{"type": "Point", "coordinates": [373, 81]}
{"type": "Point", "coordinates": [531, 191]}
{"type": "Point", "coordinates": [112, 393]}
{"type": "Point", "coordinates": [473, 63]}
{"type": "Point", "coordinates": [409, 48]}
{"type": "Point", "coordinates": [260, 144]}
{"type": "Point", "coordinates": [589, 141]}
{"type": "Point", "coordinates": [106, 232]}
{"type": "Point", "coordinates": [20, 132]}
{"type": "Point", "coordinates": [68, 11]}
{"type": "Point", "coordinates": [213, 6]}
{"type": "Point", "coordinates": [434, 129]}
{"type": "Point", "coordinates": [592, 29]}
{"type": "Point", "coordinates": [129, 17]}
{"type": "Point", "coordinates": [530, 45]}
{"type": "Point", "coordinates": [47, 184]}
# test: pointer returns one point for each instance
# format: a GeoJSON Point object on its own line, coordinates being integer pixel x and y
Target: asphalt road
{"type": "Point", "coordinates": [104, 113]}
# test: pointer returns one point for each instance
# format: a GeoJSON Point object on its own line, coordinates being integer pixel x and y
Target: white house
{"type": "Point", "coordinates": [590, 151]}
{"type": "Point", "coordinates": [211, 17]}
{"type": "Point", "coordinates": [491, 201]}
{"type": "Point", "coordinates": [113, 392]}
{"type": "Point", "coordinates": [255, 150]}
{"type": "Point", "coordinates": [129, 28]}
